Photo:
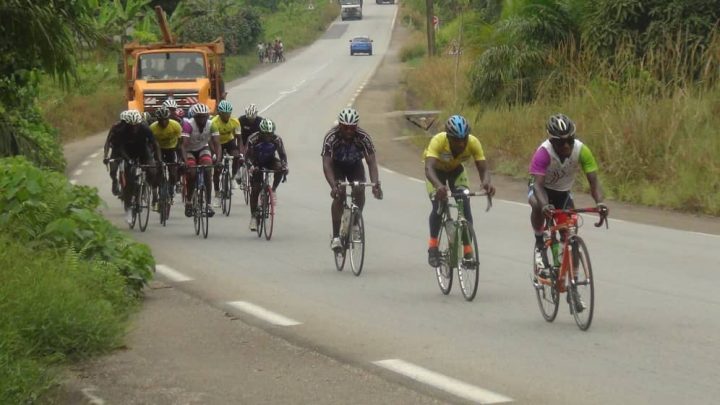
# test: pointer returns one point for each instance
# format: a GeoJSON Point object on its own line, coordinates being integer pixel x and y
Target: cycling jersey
{"type": "Point", "coordinates": [197, 139]}
{"type": "Point", "coordinates": [439, 148]}
{"type": "Point", "coordinates": [167, 137]}
{"type": "Point", "coordinates": [262, 153]}
{"type": "Point", "coordinates": [135, 142]}
{"type": "Point", "coordinates": [226, 130]}
{"type": "Point", "coordinates": [560, 175]}
{"type": "Point", "coordinates": [347, 152]}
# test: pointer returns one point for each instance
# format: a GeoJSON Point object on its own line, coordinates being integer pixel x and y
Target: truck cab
{"type": "Point", "coordinates": [351, 9]}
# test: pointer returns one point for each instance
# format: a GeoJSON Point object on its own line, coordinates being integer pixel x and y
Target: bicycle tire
{"type": "Point", "coordinates": [269, 217]}
{"type": "Point", "coordinates": [143, 206]}
{"type": "Point", "coordinates": [260, 215]}
{"type": "Point", "coordinates": [225, 192]}
{"type": "Point", "coordinates": [444, 272]}
{"type": "Point", "coordinates": [196, 211]}
{"type": "Point", "coordinates": [245, 179]}
{"type": "Point", "coordinates": [163, 200]}
{"type": "Point", "coordinates": [133, 207]}
{"type": "Point", "coordinates": [468, 272]}
{"type": "Point", "coordinates": [581, 278]}
{"type": "Point", "coordinates": [548, 296]}
{"type": "Point", "coordinates": [204, 218]}
{"type": "Point", "coordinates": [340, 255]}
{"type": "Point", "coordinates": [356, 242]}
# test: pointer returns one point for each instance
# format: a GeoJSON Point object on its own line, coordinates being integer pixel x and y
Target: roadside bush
{"type": "Point", "coordinates": [240, 31]}
{"type": "Point", "coordinates": [45, 211]}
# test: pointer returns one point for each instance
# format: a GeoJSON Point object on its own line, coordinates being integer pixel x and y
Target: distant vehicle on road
{"type": "Point", "coordinates": [361, 44]}
{"type": "Point", "coordinates": [351, 9]}
{"type": "Point", "coordinates": [385, 1]}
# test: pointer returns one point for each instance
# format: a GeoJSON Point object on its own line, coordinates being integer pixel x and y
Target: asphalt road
{"type": "Point", "coordinates": [654, 338]}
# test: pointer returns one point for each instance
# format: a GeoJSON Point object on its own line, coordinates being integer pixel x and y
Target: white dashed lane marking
{"type": "Point", "coordinates": [77, 172]}
{"type": "Point", "coordinates": [264, 314]}
{"type": "Point", "coordinates": [455, 387]}
{"type": "Point", "coordinates": [171, 273]}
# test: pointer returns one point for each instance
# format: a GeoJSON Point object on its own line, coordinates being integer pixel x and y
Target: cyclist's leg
{"type": "Point", "coordinates": [129, 189]}
{"type": "Point", "coordinates": [458, 181]}
{"type": "Point", "coordinates": [205, 158]}
{"type": "Point", "coordinates": [256, 183]}
{"type": "Point", "coordinates": [170, 156]}
{"type": "Point", "coordinates": [277, 176]}
{"type": "Point", "coordinates": [357, 173]}
{"type": "Point", "coordinates": [234, 150]}
{"type": "Point", "coordinates": [191, 163]}
{"type": "Point", "coordinates": [434, 221]}
{"type": "Point", "coordinates": [114, 154]}
{"type": "Point", "coordinates": [336, 209]}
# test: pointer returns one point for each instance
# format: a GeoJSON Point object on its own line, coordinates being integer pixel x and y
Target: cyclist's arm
{"type": "Point", "coordinates": [372, 167]}
{"type": "Point", "coordinates": [215, 146]}
{"type": "Point", "coordinates": [430, 172]}
{"type": "Point", "coordinates": [106, 148]}
{"type": "Point", "coordinates": [590, 168]}
{"type": "Point", "coordinates": [183, 148]}
{"type": "Point", "coordinates": [281, 151]}
{"type": "Point", "coordinates": [484, 173]}
{"type": "Point", "coordinates": [595, 189]}
{"type": "Point", "coordinates": [328, 170]}
{"type": "Point", "coordinates": [539, 190]}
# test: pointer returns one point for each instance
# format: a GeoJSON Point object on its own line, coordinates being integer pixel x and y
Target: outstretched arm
{"type": "Point", "coordinates": [481, 166]}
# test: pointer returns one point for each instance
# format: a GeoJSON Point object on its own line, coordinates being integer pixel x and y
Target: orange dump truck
{"type": "Point", "coordinates": [189, 73]}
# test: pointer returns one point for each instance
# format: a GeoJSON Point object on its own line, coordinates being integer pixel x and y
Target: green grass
{"type": "Point", "coordinates": [54, 308]}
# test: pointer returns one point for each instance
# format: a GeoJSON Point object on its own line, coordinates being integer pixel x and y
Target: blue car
{"type": "Point", "coordinates": [362, 44]}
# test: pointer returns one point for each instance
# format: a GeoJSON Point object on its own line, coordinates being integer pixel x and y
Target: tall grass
{"type": "Point", "coordinates": [652, 121]}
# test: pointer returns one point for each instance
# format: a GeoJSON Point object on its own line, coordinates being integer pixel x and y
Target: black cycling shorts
{"type": "Point", "coordinates": [351, 172]}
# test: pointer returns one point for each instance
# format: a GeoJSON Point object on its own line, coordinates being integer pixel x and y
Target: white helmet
{"type": "Point", "coordinates": [251, 111]}
{"type": "Point", "coordinates": [170, 103]}
{"type": "Point", "coordinates": [133, 117]}
{"type": "Point", "coordinates": [348, 116]}
{"type": "Point", "coordinates": [199, 109]}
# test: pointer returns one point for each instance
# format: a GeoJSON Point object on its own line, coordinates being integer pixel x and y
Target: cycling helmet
{"type": "Point", "coordinates": [560, 126]}
{"type": "Point", "coordinates": [162, 113]}
{"type": "Point", "coordinates": [170, 103]}
{"type": "Point", "coordinates": [123, 116]}
{"type": "Point", "coordinates": [199, 108]}
{"type": "Point", "coordinates": [133, 117]}
{"type": "Point", "coordinates": [457, 127]}
{"type": "Point", "coordinates": [251, 111]}
{"type": "Point", "coordinates": [267, 126]}
{"type": "Point", "coordinates": [225, 107]}
{"type": "Point", "coordinates": [348, 116]}
{"type": "Point", "coordinates": [147, 117]}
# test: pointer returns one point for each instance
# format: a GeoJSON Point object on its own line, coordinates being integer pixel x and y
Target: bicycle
{"type": "Point", "coordinates": [226, 185]}
{"type": "Point", "coordinates": [200, 206]}
{"type": "Point", "coordinates": [455, 235]}
{"type": "Point", "coordinates": [165, 192]}
{"type": "Point", "coordinates": [243, 175]}
{"type": "Point", "coordinates": [140, 199]}
{"type": "Point", "coordinates": [352, 230]}
{"type": "Point", "coordinates": [265, 215]}
{"type": "Point", "coordinates": [565, 275]}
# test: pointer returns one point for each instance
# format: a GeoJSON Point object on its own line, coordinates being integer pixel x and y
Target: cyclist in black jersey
{"type": "Point", "coordinates": [344, 148]}
{"type": "Point", "coordinates": [249, 124]}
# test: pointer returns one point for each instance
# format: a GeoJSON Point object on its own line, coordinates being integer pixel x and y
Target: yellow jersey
{"type": "Point", "coordinates": [439, 148]}
{"type": "Point", "coordinates": [167, 137]}
{"type": "Point", "coordinates": [226, 130]}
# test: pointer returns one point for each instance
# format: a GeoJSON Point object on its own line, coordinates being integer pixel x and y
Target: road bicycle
{"type": "Point", "coordinates": [225, 184]}
{"type": "Point", "coordinates": [457, 245]}
{"type": "Point", "coordinates": [265, 215]}
{"type": "Point", "coordinates": [571, 271]}
{"type": "Point", "coordinates": [165, 192]}
{"type": "Point", "coordinates": [243, 176]}
{"type": "Point", "coordinates": [140, 197]}
{"type": "Point", "coordinates": [199, 201]}
{"type": "Point", "coordinates": [352, 230]}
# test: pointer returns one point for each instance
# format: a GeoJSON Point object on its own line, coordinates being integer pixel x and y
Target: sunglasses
{"type": "Point", "coordinates": [561, 141]}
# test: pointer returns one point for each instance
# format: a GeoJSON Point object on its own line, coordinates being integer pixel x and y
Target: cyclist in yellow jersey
{"type": "Point", "coordinates": [228, 129]}
{"type": "Point", "coordinates": [167, 133]}
{"type": "Point", "coordinates": [444, 157]}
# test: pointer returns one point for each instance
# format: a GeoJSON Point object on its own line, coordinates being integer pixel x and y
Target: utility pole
{"type": "Point", "coordinates": [430, 11]}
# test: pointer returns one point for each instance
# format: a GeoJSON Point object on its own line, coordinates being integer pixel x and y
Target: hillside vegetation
{"type": "Point", "coordinates": [640, 78]}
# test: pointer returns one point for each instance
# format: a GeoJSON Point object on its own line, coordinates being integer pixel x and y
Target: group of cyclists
{"type": "Point", "coordinates": [271, 52]}
{"type": "Point", "coordinates": [183, 143]}
{"type": "Point", "coordinates": [197, 139]}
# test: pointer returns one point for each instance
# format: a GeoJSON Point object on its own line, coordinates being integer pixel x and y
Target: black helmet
{"type": "Point", "coordinates": [560, 126]}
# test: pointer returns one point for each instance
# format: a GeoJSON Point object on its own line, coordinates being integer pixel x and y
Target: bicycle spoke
{"type": "Point", "coordinates": [581, 289]}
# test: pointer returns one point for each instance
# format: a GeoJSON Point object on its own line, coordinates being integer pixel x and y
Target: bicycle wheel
{"type": "Point", "coordinates": [260, 215]}
{"type": "Point", "coordinates": [548, 296]}
{"type": "Point", "coordinates": [226, 192]}
{"type": "Point", "coordinates": [133, 207]}
{"type": "Point", "coordinates": [340, 255]}
{"type": "Point", "coordinates": [581, 287]}
{"type": "Point", "coordinates": [163, 201]}
{"type": "Point", "coordinates": [245, 183]}
{"type": "Point", "coordinates": [269, 216]}
{"type": "Point", "coordinates": [444, 272]}
{"type": "Point", "coordinates": [204, 218]}
{"type": "Point", "coordinates": [143, 206]}
{"type": "Point", "coordinates": [356, 240]}
{"type": "Point", "coordinates": [196, 211]}
{"type": "Point", "coordinates": [468, 265]}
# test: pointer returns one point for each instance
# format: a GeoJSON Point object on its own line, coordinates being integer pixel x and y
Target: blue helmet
{"type": "Point", "coordinates": [457, 127]}
{"type": "Point", "coordinates": [225, 107]}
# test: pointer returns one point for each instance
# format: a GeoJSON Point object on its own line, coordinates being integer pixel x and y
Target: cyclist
{"type": "Point", "coordinates": [197, 142]}
{"type": "Point", "coordinates": [167, 133]}
{"type": "Point", "coordinates": [115, 154]}
{"type": "Point", "coordinates": [175, 111]}
{"type": "Point", "coordinates": [261, 150]}
{"type": "Point", "coordinates": [249, 124]}
{"type": "Point", "coordinates": [444, 157]}
{"type": "Point", "coordinates": [553, 169]}
{"type": "Point", "coordinates": [228, 129]}
{"type": "Point", "coordinates": [134, 141]}
{"type": "Point", "coordinates": [344, 148]}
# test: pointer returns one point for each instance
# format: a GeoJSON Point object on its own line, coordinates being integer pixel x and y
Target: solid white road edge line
{"type": "Point", "coordinates": [443, 382]}
{"type": "Point", "coordinates": [73, 182]}
{"type": "Point", "coordinates": [92, 399]}
{"type": "Point", "coordinates": [264, 314]}
{"type": "Point", "coordinates": [171, 273]}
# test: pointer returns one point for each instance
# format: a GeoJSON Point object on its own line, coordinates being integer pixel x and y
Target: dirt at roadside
{"type": "Point", "coordinates": [390, 130]}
